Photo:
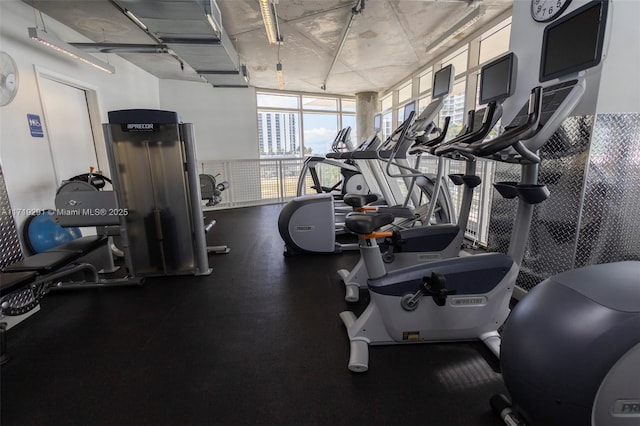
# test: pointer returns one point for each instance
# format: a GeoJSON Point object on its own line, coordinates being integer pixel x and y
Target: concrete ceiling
{"type": "Point", "coordinates": [385, 43]}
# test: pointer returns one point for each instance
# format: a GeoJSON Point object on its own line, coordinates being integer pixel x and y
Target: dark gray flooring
{"type": "Point", "coordinates": [258, 342]}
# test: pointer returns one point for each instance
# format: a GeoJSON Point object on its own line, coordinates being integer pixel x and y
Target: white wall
{"type": "Point", "coordinates": [526, 42]}
{"type": "Point", "coordinates": [225, 119]}
{"type": "Point", "coordinates": [612, 86]}
{"type": "Point", "coordinates": [26, 160]}
{"type": "Point", "coordinates": [620, 85]}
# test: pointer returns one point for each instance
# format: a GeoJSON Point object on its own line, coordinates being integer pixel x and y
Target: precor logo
{"type": "Point", "coordinates": [140, 126]}
{"type": "Point", "coordinates": [626, 408]}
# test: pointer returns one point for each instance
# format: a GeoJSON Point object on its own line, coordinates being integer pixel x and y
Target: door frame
{"type": "Point", "coordinates": [91, 94]}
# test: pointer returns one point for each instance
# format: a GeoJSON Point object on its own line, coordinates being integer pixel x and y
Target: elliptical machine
{"type": "Point", "coordinates": [351, 179]}
{"type": "Point", "coordinates": [306, 224]}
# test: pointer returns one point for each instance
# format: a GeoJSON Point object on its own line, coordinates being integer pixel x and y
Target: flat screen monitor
{"type": "Point", "coordinates": [409, 108]}
{"type": "Point", "coordinates": [574, 42]}
{"type": "Point", "coordinates": [377, 122]}
{"type": "Point", "coordinates": [497, 79]}
{"type": "Point", "coordinates": [442, 82]}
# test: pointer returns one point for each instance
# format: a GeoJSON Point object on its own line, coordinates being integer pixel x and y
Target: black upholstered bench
{"type": "Point", "coordinates": [11, 281]}
{"type": "Point", "coordinates": [43, 263]}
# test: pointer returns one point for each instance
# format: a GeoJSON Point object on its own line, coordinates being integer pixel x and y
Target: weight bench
{"type": "Point", "coordinates": [25, 282]}
{"type": "Point", "coordinates": [52, 269]}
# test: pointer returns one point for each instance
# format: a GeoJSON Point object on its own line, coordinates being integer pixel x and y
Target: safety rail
{"type": "Point", "coordinates": [255, 182]}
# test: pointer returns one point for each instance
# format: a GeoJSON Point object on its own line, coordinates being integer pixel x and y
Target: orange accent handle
{"type": "Point", "coordinates": [367, 209]}
{"type": "Point", "coordinates": [378, 235]}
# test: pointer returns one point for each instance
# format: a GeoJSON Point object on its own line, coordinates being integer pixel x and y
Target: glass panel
{"type": "Point", "coordinates": [423, 102]}
{"type": "Point", "coordinates": [386, 102]}
{"type": "Point", "coordinates": [425, 81]}
{"type": "Point", "coordinates": [386, 125]}
{"type": "Point", "coordinates": [279, 133]}
{"type": "Point", "coordinates": [323, 104]}
{"type": "Point", "coordinates": [348, 105]}
{"type": "Point", "coordinates": [350, 120]}
{"type": "Point", "coordinates": [458, 59]}
{"type": "Point", "coordinates": [496, 41]}
{"type": "Point", "coordinates": [319, 132]}
{"type": "Point", "coordinates": [454, 107]}
{"type": "Point", "coordinates": [404, 92]}
{"type": "Point", "coordinates": [277, 101]}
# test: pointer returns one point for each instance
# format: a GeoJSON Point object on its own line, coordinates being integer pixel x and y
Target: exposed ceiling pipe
{"type": "Point", "coordinates": [121, 47]}
{"type": "Point", "coordinates": [358, 8]}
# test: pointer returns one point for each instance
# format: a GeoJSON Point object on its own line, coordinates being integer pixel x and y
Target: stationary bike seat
{"type": "Point", "coordinates": [359, 200]}
{"type": "Point", "coordinates": [366, 223]}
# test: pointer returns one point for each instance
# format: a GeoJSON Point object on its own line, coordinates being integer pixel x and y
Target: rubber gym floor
{"type": "Point", "coordinates": [257, 342]}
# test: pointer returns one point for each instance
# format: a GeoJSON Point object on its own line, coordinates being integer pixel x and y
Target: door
{"type": "Point", "coordinates": [68, 123]}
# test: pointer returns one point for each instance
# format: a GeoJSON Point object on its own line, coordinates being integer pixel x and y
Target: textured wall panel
{"type": "Point", "coordinates": [554, 232]}
{"type": "Point", "coordinates": [610, 228]}
{"type": "Point", "coordinates": [10, 251]}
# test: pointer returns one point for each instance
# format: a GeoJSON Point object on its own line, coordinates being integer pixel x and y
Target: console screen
{"type": "Point", "coordinates": [496, 79]}
{"type": "Point", "coordinates": [442, 82]}
{"type": "Point", "coordinates": [377, 122]}
{"type": "Point", "coordinates": [574, 42]}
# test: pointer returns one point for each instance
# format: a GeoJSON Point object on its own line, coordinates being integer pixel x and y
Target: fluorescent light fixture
{"type": "Point", "coordinates": [59, 45]}
{"type": "Point", "coordinates": [269, 21]}
{"type": "Point", "coordinates": [280, 76]}
{"type": "Point", "coordinates": [457, 29]}
{"type": "Point", "coordinates": [135, 19]}
{"type": "Point", "coordinates": [212, 23]}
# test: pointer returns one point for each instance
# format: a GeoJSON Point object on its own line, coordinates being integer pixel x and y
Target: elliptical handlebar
{"type": "Point", "coordinates": [401, 131]}
{"type": "Point", "coordinates": [390, 161]}
{"type": "Point", "coordinates": [443, 134]}
{"type": "Point", "coordinates": [342, 138]}
{"type": "Point", "coordinates": [513, 136]}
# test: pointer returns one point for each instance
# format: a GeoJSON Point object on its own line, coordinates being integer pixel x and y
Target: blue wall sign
{"type": "Point", "coordinates": [35, 125]}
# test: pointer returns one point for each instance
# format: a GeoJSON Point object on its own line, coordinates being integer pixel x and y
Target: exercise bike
{"type": "Point", "coordinates": [463, 298]}
{"type": "Point", "coordinates": [427, 243]}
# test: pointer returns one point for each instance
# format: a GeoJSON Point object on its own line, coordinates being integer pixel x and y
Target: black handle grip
{"type": "Point", "coordinates": [472, 137]}
{"type": "Point", "coordinates": [430, 144]}
{"type": "Point", "coordinates": [512, 136]}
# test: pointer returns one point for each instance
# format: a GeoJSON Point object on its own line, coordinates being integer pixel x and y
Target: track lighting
{"type": "Point", "coordinates": [457, 29]}
{"type": "Point", "coordinates": [59, 45]}
{"type": "Point", "coordinates": [270, 19]}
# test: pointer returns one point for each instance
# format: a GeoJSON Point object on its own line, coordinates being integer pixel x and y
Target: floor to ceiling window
{"type": "Point", "coordinates": [295, 125]}
{"type": "Point", "coordinates": [467, 58]}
